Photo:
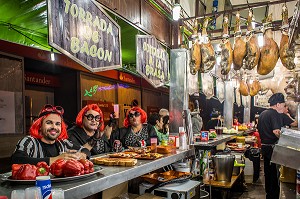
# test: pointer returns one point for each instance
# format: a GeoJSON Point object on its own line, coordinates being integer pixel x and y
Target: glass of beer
{"type": "Point", "coordinates": [153, 145]}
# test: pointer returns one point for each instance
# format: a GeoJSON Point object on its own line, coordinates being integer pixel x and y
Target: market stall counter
{"type": "Point", "coordinates": [107, 177]}
{"type": "Point", "coordinates": [216, 141]}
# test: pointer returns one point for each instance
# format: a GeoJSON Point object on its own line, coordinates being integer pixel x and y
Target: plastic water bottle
{"type": "Point", "coordinates": [182, 139]}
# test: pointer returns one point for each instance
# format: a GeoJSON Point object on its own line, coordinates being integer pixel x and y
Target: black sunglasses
{"type": "Point", "coordinates": [136, 114]}
{"type": "Point", "coordinates": [90, 117]}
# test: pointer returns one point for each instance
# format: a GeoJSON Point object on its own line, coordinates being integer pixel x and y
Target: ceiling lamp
{"type": "Point", "coordinates": [176, 10]}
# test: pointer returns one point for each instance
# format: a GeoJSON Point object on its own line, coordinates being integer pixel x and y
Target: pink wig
{"type": "Point", "coordinates": [84, 110]}
{"type": "Point", "coordinates": [126, 122]}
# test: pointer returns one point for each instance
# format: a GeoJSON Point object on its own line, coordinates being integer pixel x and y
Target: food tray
{"type": "Point", "coordinates": [7, 177]}
{"type": "Point", "coordinates": [148, 156]}
{"type": "Point", "coordinates": [155, 178]}
{"type": "Point", "coordinates": [127, 162]}
{"type": "Point", "coordinates": [125, 154]}
{"type": "Point", "coordinates": [164, 149]}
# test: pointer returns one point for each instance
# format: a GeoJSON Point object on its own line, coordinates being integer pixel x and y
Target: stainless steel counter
{"type": "Point", "coordinates": [108, 177]}
{"type": "Point", "coordinates": [212, 143]}
{"type": "Point", "coordinates": [287, 151]}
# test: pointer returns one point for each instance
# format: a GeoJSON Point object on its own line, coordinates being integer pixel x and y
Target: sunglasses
{"type": "Point", "coordinates": [48, 108]}
{"type": "Point", "coordinates": [90, 117]}
{"type": "Point", "coordinates": [136, 114]}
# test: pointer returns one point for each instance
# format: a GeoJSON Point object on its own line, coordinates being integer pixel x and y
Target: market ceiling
{"type": "Point", "coordinates": [25, 22]}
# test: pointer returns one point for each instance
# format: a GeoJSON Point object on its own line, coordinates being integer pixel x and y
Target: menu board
{"type": "Point", "coordinates": [152, 60]}
{"type": "Point", "coordinates": [83, 31]}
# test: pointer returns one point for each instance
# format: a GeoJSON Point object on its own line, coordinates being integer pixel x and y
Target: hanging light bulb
{"type": "Point", "coordinates": [176, 10]}
{"type": "Point", "coordinates": [52, 56]}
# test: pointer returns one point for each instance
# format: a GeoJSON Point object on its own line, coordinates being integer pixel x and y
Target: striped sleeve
{"type": "Point", "coordinates": [28, 146]}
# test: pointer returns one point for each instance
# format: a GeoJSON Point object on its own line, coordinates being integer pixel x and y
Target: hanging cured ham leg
{"type": "Point", "coordinates": [244, 89]}
{"type": "Point", "coordinates": [286, 55]}
{"type": "Point", "coordinates": [239, 51]}
{"type": "Point", "coordinates": [254, 87]}
{"type": "Point", "coordinates": [269, 53]}
{"type": "Point", "coordinates": [252, 48]}
{"type": "Point", "coordinates": [195, 52]}
{"type": "Point", "coordinates": [207, 51]}
{"type": "Point", "coordinates": [226, 52]}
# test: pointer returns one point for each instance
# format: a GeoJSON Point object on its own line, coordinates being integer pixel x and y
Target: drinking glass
{"type": "Point", "coordinates": [33, 193]}
{"type": "Point", "coordinates": [18, 194]}
{"type": "Point", "coordinates": [58, 194]}
{"type": "Point", "coordinates": [153, 145]}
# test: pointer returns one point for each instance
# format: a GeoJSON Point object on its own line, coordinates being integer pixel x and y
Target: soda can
{"type": "Point", "coordinates": [44, 183]}
{"type": "Point", "coordinates": [117, 146]}
{"type": "Point", "coordinates": [143, 143]}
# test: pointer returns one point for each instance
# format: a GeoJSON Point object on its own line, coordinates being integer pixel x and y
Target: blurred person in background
{"type": "Point", "coordinates": [196, 119]}
{"type": "Point", "coordinates": [215, 120]}
{"type": "Point", "coordinates": [164, 112]}
{"type": "Point", "coordinates": [156, 120]}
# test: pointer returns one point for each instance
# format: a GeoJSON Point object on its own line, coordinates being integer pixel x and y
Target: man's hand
{"type": "Point", "coordinates": [277, 132]}
{"type": "Point", "coordinates": [71, 154]}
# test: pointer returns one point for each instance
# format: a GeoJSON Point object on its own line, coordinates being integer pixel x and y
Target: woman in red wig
{"type": "Point", "coordinates": [89, 130]}
{"type": "Point", "coordinates": [48, 140]}
{"type": "Point", "coordinates": [136, 132]}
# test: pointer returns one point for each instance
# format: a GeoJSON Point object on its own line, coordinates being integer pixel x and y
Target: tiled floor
{"type": "Point", "coordinates": [257, 190]}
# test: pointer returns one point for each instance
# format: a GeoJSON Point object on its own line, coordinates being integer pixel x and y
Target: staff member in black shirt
{"type": "Point", "coordinates": [269, 125]}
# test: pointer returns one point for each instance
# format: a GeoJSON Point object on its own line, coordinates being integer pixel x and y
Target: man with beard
{"type": "Point", "coordinates": [89, 130]}
{"type": "Point", "coordinates": [48, 140]}
{"type": "Point", "coordinates": [136, 132]}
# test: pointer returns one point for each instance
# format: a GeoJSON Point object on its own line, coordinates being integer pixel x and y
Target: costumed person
{"type": "Point", "coordinates": [135, 133]}
{"type": "Point", "coordinates": [89, 130]}
{"type": "Point", "coordinates": [47, 140]}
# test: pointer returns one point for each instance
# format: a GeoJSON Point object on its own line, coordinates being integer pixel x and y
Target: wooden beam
{"type": "Point", "coordinates": [243, 7]}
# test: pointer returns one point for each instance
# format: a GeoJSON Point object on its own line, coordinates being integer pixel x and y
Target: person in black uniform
{"type": "Point", "coordinates": [269, 125]}
{"type": "Point", "coordinates": [214, 121]}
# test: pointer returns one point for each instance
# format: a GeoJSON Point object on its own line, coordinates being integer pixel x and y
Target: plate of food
{"type": "Point", "coordinates": [8, 177]}
{"type": "Point", "coordinates": [125, 154]}
{"type": "Point", "coordinates": [127, 162]}
{"type": "Point", "coordinates": [149, 156]}
{"type": "Point", "coordinates": [139, 150]}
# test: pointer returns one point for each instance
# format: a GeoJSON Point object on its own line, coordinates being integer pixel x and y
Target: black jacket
{"type": "Point", "coordinates": [78, 136]}
{"type": "Point", "coordinates": [121, 133]}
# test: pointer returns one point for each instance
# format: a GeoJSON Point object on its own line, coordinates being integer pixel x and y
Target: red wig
{"type": "Point", "coordinates": [84, 110]}
{"type": "Point", "coordinates": [37, 124]}
{"type": "Point", "coordinates": [126, 122]}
